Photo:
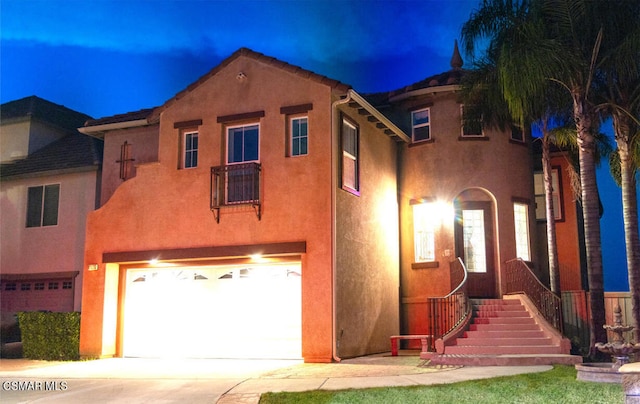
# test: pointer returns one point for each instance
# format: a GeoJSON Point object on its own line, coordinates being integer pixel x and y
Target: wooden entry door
{"type": "Point", "coordinates": [475, 244]}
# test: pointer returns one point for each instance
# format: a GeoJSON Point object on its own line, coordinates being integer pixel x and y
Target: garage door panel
{"type": "Point", "coordinates": [216, 312]}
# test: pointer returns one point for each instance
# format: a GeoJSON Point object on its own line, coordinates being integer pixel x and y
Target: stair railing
{"type": "Point", "coordinates": [519, 278]}
{"type": "Point", "coordinates": [449, 313]}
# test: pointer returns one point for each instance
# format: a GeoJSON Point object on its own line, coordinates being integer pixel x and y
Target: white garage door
{"type": "Point", "coordinates": [214, 312]}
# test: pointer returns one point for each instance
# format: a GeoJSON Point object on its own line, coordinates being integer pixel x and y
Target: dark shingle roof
{"type": "Point", "coordinates": [126, 117]}
{"type": "Point", "coordinates": [43, 110]}
{"type": "Point", "coordinates": [72, 152]}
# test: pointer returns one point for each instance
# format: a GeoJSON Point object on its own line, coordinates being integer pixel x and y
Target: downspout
{"type": "Point", "coordinates": [335, 131]}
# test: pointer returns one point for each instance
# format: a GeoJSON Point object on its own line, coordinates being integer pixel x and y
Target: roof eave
{"type": "Point", "coordinates": [98, 131]}
{"type": "Point", "coordinates": [425, 91]}
{"type": "Point", "coordinates": [391, 128]}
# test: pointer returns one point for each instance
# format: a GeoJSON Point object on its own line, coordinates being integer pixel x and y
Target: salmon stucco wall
{"type": "Point", "coordinates": [367, 254]}
{"type": "Point", "coordinates": [165, 207]}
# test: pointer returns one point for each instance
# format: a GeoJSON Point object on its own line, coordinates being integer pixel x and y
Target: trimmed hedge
{"type": "Point", "coordinates": [50, 336]}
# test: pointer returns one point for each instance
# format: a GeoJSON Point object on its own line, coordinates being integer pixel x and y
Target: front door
{"type": "Point", "coordinates": [475, 244]}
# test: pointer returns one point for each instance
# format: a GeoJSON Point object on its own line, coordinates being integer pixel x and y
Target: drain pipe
{"type": "Point", "coordinates": [335, 134]}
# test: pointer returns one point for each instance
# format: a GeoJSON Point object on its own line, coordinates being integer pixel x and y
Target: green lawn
{"type": "Point", "coordinates": [558, 385]}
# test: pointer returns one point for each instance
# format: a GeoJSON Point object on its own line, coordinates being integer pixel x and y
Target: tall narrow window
{"type": "Point", "coordinates": [126, 161]}
{"type": "Point", "coordinates": [350, 180]}
{"type": "Point", "coordinates": [190, 147]}
{"type": "Point", "coordinates": [521, 218]}
{"type": "Point", "coordinates": [473, 235]}
{"type": "Point", "coordinates": [299, 136]}
{"type": "Point", "coordinates": [242, 181]}
{"type": "Point", "coordinates": [42, 205]}
{"type": "Point", "coordinates": [424, 232]}
{"type": "Point", "coordinates": [420, 125]}
{"type": "Point", "coordinates": [556, 195]}
{"type": "Point", "coordinates": [471, 122]}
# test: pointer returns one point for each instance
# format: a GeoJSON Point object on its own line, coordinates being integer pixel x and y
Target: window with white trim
{"type": "Point", "coordinates": [299, 136]}
{"type": "Point", "coordinates": [521, 221]}
{"type": "Point", "coordinates": [540, 197]}
{"type": "Point", "coordinates": [424, 233]}
{"type": "Point", "coordinates": [420, 125]}
{"type": "Point", "coordinates": [350, 161]}
{"type": "Point", "coordinates": [243, 143]}
{"type": "Point", "coordinates": [190, 149]}
{"type": "Point", "coordinates": [42, 205]}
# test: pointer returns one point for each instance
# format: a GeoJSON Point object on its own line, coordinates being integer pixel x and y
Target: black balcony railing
{"type": "Point", "coordinates": [235, 185]}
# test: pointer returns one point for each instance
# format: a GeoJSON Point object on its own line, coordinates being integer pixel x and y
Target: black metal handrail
{"type": "Point", "coordinates": [447, 313]}
{"type": "Point", "coordinates": [519, 278]}
{"type": "Point", "coordinates": [234, 185]}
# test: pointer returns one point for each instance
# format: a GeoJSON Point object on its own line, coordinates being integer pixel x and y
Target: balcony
{"type": "Point", "coordinates": [235, 185]}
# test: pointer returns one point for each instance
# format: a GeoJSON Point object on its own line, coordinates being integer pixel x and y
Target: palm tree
{"type": "Point", "coordinates": [621, 94]}
{"type": "Point", "coordinates": [558, 41]}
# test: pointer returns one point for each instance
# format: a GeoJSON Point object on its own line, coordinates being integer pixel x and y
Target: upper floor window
{"type": "Point", "coordinates": [420, 125]}
{"type": "Point", "coordinates": [42, 205]}
{"type": "Point", "coordinates": [471, 123]}
{"type": "Point", "coordinates": [521, 221]}
{"type": "Point", "coordinates": [517, 134]}
{"type": "Point", "coordinates": [243, 143]}
{"type": "Point", "coordinates": [190, 149]}
{"type": "Point", "coordinates": [299, 136]}
{"type": "Point", "coordinates": [350, 160]}
{"type": "Point", "coordinates": [556, 195]}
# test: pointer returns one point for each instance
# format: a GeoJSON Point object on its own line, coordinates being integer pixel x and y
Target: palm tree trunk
{"type": "Point", "coordinates": [591, 213]}
{"type": "Point", "coordinates": [552, 246]}
{"type": "Point", "coordinates": [630, 216]}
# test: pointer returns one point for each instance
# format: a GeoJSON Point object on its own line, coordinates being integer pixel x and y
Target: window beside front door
{"type": "Point", "coordinates": [424, 232]}
{"type": "Point", "coordinates": [521, 221]}
{"type": "Point", "coordinates": [42, 205]}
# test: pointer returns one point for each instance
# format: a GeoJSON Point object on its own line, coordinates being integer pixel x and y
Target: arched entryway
{"type": "Point", "coordinates": [475, 240]}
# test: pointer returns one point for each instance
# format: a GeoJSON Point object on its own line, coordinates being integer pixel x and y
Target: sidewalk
{"type": "Point", "coordinates": [225, 381]}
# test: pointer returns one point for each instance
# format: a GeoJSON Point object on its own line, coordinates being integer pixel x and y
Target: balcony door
{"type": "Point", "coordinates": [475, 244]}
{"type": "Point", "coordinates": [242, 149]}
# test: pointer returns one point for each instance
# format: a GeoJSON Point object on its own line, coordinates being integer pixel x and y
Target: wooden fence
{"type": "Point", "coordinates": [576, 315]}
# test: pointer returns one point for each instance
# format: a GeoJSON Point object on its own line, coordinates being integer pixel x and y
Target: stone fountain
{"type": "Point", "coordinates": [617, 348]}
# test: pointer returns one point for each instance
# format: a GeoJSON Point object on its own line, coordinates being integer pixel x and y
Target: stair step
{"type": "Point", "coordinates": [492, 307]}
{"type": "Point", "coordinates": [504, 327]}
{"type": "Point", "coordinates": [504, 360]}
{"type": "Point", "coordinates": [475, 341]}
{"type": "Point", "coordinates": [499, 302]}
{"type": "Point", "coordinates": [508, 333]}
{"type": "Point", "coordinates": [504, 320]}
{"type": "Point", "coordinates": [505, 313]}
{"type": "Point", "coordinates": [503, 350]}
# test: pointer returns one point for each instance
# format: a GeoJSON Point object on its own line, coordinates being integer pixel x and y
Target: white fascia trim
{"type": "Point", "coordinates": [97, 129]}
{"type": "Point", "coordinates": [425, 91]}
{"type": "Point", "coordinates": [379, 116]}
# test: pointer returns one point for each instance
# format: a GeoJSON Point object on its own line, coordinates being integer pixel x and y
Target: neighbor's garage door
{"type": "Point", "coordinates": [37, 294]}
{"type": "Point", "coordinates": [213, 312]}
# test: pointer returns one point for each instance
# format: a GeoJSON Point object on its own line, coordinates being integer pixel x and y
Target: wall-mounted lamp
{"type": "Point", "coordinates": [93, 267]}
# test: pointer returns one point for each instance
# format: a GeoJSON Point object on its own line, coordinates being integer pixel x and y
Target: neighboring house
{"type": "Point", "coordinates": [49, 182]}
{"type": "Point", "coordinates": [278, 213]}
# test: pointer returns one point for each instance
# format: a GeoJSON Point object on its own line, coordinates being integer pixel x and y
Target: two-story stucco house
{"type": "Point", "coordinates": [267, 211]}
{"type": "Point", "coordinates": [49, 182]}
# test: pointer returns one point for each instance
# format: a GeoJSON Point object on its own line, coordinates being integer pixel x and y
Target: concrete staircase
{"type": "Point", "coordinates": [506, 332]}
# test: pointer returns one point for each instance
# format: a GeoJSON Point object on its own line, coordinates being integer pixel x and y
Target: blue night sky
{"type": "Point", "coordinates": [106, 57]}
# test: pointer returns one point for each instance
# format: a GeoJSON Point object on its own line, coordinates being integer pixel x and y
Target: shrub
{"type": "Point", "coordinates": [50, 336]}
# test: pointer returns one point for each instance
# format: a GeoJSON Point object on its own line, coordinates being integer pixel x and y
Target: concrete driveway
{"type": "Point", "coordinates": [133, 380]}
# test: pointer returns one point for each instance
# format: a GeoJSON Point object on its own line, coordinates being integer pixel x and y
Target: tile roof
{"type": "Point", "coordinates": [43, 110]}
{"type": "Point", "coordinates": [72, 152]}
